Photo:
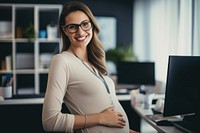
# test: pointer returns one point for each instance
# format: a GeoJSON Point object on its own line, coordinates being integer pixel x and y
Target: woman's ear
{"type": "Point", "coordinates": [64, 31]}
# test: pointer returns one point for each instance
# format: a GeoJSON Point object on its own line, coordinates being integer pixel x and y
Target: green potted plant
{"type": "Point", "coordinates": [113, 56]}
{"type": "Point", "coordinates": [120, 54]}
{"type": "Point", "coordinates": [29, 32]}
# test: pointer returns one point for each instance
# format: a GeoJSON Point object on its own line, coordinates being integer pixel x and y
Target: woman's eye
{"type": "Point", "coordinates": [85, 24]}
{"type": "Point", "coordinates": [71, 27]}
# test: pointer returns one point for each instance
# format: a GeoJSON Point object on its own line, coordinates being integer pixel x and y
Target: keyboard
{"type": "Point", "coordinates": [187, 127]}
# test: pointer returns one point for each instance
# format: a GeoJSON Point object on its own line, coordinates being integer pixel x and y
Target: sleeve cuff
{"type": "Point", "coordinates": [70, 123]}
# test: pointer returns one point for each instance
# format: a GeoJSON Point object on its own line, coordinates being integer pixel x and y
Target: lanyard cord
{"type": "Point", "coordinates": [105, 83]}
{"type": "Point", "coordinates": [101, 77]}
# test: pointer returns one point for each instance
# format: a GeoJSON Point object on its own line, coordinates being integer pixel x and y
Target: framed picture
{"type": "Point", "coordinates": [108, 31]}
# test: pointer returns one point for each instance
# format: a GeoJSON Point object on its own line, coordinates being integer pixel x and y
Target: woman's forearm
{"type": "Point", "coordinates": [84, 121]}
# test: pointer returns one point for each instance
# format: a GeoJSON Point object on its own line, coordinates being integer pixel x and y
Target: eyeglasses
{"type": "Point", "coordinates": [73, 28]}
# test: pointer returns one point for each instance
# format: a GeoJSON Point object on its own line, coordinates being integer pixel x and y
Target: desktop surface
{"type": "Point", "coordinates": [161, 129]}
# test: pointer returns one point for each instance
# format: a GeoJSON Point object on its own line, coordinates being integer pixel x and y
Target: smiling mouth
{"type": "Point", "coordinates": [82, 38]}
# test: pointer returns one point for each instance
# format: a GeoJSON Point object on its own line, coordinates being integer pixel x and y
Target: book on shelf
{"type": "Point", "coordinates": [8, 62]}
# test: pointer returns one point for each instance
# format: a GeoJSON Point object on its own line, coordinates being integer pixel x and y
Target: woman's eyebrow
{"type": "Point", "coordinates": [79, 23]}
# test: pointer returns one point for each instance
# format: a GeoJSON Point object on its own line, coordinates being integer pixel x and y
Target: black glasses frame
{"type": "Point", "coordinates": [77, 26]}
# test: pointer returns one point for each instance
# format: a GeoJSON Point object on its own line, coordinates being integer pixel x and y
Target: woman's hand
{"type": "Point", "coordinates": [110, 117]}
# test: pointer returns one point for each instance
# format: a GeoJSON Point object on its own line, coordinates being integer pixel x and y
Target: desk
{"type": "Point", "coordinates": [24, 115]}
{"type": "Point", "coordinates": [41, 100]}
{"type": "Point", "coordinates": [16, 108]}
{"type": "Point", "coordinates": [161, 129]}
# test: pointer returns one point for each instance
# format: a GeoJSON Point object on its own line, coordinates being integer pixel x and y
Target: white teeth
{"type": "Point", "coordinates": [81, 38]}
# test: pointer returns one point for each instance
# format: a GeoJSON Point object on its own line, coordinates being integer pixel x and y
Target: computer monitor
{"type": "Point", "coordinates": [136, 73]}
{"type": "Point", "coordinates": [182, 96]}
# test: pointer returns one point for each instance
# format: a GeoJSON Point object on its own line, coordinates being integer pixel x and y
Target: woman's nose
{"type": "Point", "coordinates": [80, 30]}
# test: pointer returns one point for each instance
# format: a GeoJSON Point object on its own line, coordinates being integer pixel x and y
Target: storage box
{"type": "Point", "coordinates": [45, 60]}
{"type": "Point", "coordinates": [6, 29]}
{"type": "Point", "coordinates": [24, 61]}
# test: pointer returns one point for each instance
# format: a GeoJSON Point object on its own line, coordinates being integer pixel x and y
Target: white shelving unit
{"type": "Point", "coordinates": [28, 73]}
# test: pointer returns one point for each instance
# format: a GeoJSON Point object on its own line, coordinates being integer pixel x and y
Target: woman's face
{"type": "Point", "coordinates": [79, 38]}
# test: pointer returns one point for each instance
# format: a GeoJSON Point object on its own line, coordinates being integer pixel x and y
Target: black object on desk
{"type": "Point", "coordinates": [136, 73]}
{"type": "Point", "coordinates": [164, 123]}
{"type": "Point", "coordinates": [155, 111]}
{"type": "Point", "coordinates": [27, 96]}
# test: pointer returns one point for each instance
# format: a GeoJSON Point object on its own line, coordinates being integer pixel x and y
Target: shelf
{"type": "Point", "coordinates": [32, 40]}
{"type": "Point", "coordinates": [22, 47]}
{"type": "Point", "coordinates": [5, 71]}
{"type": "Point", "coordinates": [48, 40]}
{"type": "Point", "coordinates": [6, 40]}
{"type": "Point", "coordinates": [25, 71]}
{"type": "Point", "coordinates": [24, 40]}
{"type": "Point", "coordinates": [43, 71]}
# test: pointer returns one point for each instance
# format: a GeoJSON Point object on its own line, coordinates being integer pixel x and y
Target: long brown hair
{"type": "Point", "coordinates": [95, 50]}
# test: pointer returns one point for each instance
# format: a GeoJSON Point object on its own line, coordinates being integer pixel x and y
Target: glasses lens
{"type": "Point", "coordinates": [86, 25]}
{"type": "Point", "coordinates": [72, 28]}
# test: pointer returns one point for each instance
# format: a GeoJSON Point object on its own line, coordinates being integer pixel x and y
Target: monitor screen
{"type": "Point", "coordinates": [136, 73]}
{"type": "Point", "coordinates": [182, 96]}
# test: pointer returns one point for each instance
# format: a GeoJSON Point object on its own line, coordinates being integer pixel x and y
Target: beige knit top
{"type": "Point", "coordinates": [83, 92]}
